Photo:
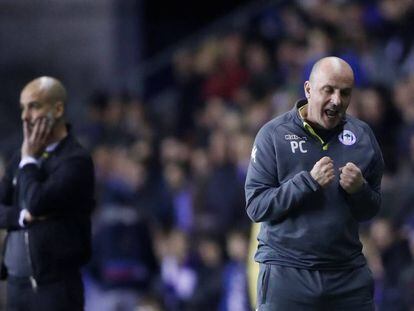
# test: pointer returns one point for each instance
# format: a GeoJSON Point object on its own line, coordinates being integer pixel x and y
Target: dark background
{"type": "Point", "coordinates": [168, 22]}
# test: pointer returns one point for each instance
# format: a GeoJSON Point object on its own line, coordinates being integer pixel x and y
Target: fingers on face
{"type": "Point", "coordinates": [41, 129]}
{"type": "Point", "coordinates": [39, 125]}
{"type": "Point", "coordinates": [34, 130]}
{"type": "Point", "coordinates": [44, 129]}
{"type": "Point", "coordinates": [26, 129]}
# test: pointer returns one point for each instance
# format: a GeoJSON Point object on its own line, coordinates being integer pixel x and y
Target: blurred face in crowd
{"type": "Point", "coordinates": [237, 246]}
{"type": "Point", "coordinates": [382, 233]}
{"type": "Point", "coordinates": [371, 106]}
{"type": "Point", "coordinates": [328, 92]}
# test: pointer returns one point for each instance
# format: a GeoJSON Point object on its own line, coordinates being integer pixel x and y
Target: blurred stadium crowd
{"type": "Point", "coordinates": [170, 228]}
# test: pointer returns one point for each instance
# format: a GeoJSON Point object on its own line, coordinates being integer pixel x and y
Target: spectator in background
{"type": "Point", "coordinates": [235, 293]}
{"type": "Point", "coordinates": [208, 290]}
{"type": "Point", "coordinates": [403, 97]}
{"type": "Point", "coordinates": [374, 107]}
{"type": "Point", "coordinates": [47, 196]}
{"type": "Point", "coordinates": [178, 275]}
{"type": "Point", "coordinates": [395, 257]}
{"type": "Point", "coordinates": [188, 85]}
{"type": "Point", "coordinates": [123, 266]}
{"type": "Point", "coordinates": [228, 74]}
{"type": "Point", "coordinates": [91, 133]}
{"type": "Point", "coordinates": [180, 194]}
{"type": "Point", "coordinates": [223, 190]}
{"type": "Point", "coordinates": [407, 275]}
{"type": "Point", "coordinates": [263, 78]}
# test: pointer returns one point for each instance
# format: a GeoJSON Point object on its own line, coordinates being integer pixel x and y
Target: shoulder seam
{"type": "Point", "coordinates": [280, 123]}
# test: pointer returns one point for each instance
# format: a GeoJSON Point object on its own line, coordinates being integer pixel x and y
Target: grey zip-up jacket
{"type": "Point", "coordinates": [302, 224]}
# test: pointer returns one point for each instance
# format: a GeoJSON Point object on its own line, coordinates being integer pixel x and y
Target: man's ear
{"type": "Point", "coordinates": [59, 109]}
{"type": "Point", "coordinates": [307, 88]}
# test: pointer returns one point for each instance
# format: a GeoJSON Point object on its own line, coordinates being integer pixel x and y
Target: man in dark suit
{"type": "Point", "coordinates": [46, 200]}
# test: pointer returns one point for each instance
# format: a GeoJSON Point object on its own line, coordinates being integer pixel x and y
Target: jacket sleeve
{"type": "Point", "coordinates": [266, 198]}
{"type": "Point", "coordinates": [366, 203]}
{"type": "Point", "coordinates": [9, 214]}
{"type": "Point", "coordinates": [65, 190]}
{"type": "Point", "coordinates": [9, 217]}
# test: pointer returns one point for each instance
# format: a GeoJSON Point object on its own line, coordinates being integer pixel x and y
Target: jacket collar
{"type": "Point", "coordinates": [299, 120]}
{"type": "Point", "coordinates": [62, 143]}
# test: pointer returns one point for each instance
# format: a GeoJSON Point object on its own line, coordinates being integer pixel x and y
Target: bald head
{"type": "Point", "coordinates": [49, 88]}
{"type": "Point", "coordinates": [333, 66]}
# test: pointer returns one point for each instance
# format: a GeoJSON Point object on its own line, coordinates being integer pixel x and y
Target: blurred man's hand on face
{"type": "Point", "coordinates": [37, 122]}
{"type": "Point", "coordinates": [36, 139]}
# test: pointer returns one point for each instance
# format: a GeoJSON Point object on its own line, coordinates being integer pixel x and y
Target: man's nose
{"type": "Point", "coordinates": [25, 115]}
{"type": "Point", "coordinates": [336, 98]}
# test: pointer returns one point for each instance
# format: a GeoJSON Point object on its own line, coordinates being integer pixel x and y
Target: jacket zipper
{"type": "Point", "coordinates": [313, 133]}
{"type": "Point", "coordinates": [32, 278]}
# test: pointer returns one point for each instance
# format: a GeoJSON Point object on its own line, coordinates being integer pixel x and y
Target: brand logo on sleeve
{"type": "Point", "coordinates": [254, 151]}
{"type": "Point", "coordinates": [347, 138]}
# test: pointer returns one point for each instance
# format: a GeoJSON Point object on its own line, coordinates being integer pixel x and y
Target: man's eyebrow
{"type": "Point", "coordinates": [337, 87]}
{"type": "Point", "coordinates": [327, 85]}
{"type": "Point", "coordinates": [29, 104]}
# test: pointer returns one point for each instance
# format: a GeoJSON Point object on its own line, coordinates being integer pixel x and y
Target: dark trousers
{"type": "Point", "coordinates": [292, 289]}
{"type": "Point", "coordinates": [62, 295]}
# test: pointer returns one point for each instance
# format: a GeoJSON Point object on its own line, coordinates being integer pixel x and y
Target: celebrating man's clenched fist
{"type": "Point", "coordinates": [351, 178]}
{"type": "Point", "coordinates": [323, 171]}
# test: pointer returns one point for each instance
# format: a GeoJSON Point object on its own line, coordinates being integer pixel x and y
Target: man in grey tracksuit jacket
{"type": "Point", "coordinates": [315, 173]}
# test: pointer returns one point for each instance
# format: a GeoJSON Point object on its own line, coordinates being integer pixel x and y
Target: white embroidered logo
{"type": "Point", "coordinates": [254, 151]}
{"type": "Point", "coordinates": [294, 145]}
{"type": "Point", "coordinates": [347, 138]}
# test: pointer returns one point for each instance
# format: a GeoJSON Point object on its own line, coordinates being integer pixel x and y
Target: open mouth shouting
{"type": "Point", "coordinates": [332, 113]}
{"type": "Point", "coordinates": [332, 116]}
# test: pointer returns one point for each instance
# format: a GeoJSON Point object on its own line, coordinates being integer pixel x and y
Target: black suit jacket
{"type": "Point", "coordinates": [61, 193]}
